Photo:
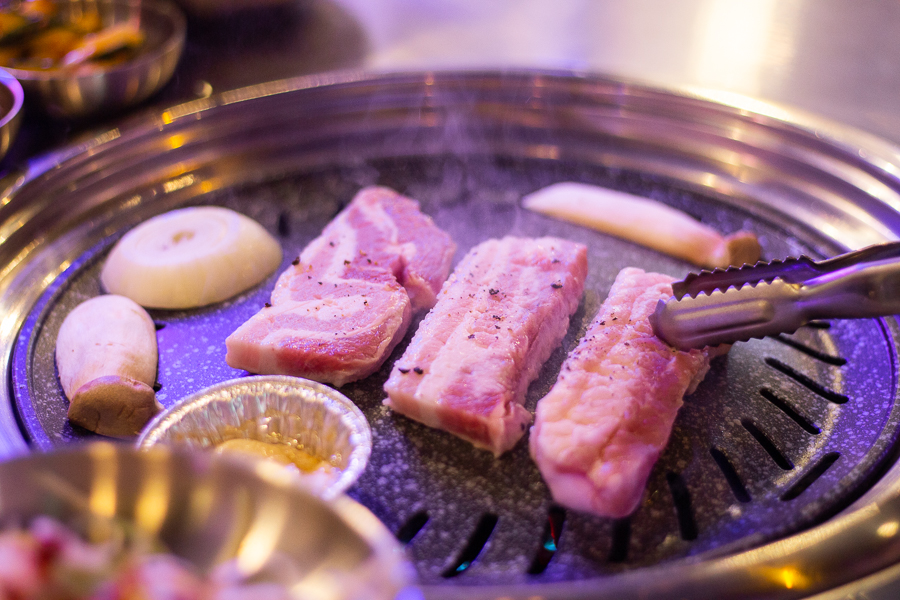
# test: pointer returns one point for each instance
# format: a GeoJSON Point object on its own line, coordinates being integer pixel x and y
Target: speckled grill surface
{"type": "Point", "coordinates": [783, 433]}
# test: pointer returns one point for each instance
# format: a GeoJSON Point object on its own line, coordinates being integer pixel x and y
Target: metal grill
{"type": "Point", "coordinates": [783, 433]}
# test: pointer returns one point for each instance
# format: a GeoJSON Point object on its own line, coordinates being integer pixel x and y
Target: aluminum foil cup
{"type": "Point", "coordinates": [273, 408]}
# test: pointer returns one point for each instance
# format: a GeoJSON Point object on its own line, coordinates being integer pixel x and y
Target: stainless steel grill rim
{"type": "Point", "coordinates": [778, 164]}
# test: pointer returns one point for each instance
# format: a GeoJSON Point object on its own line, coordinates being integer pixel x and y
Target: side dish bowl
{"type": "Point", "coordinates": [208, 510]}
{"type": "Point", "coordinates": [85, 90]}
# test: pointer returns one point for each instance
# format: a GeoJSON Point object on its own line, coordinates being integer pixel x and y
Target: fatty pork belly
{"type": "Point", "coordinates": [341, 307]}
{"type": "Point", "coordinates": [505, 308]}
{"type": "Point", "coordinates": [601, 428]}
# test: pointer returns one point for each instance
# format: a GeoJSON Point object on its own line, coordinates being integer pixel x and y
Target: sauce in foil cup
{"type": "Point", "coordinates": [288, 413]}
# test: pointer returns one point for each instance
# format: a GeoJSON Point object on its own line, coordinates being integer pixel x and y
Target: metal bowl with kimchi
{"type": "Point", "coordinates": [77, 58]}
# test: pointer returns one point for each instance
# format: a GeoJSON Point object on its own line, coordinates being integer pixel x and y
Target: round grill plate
{"type": "Point", "coordinates": [783, 433]}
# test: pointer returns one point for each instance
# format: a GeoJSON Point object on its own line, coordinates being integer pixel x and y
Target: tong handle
{"type": "Point", "coordinates": [868, 289]}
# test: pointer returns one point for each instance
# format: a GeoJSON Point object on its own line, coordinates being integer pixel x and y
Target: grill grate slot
{"type": "Point", "coordinates": [412, 527]}
{"type": "Point", "coordinates": [811, 476]}
{"type": "Point", "coordinates": [284, 225]}
{"type": "Point", "coordinates": [807, 382]}
{"type": "Point", "coordinates": [687, 524]}
{"type": "Point", "coordinates": [556, 518]}
{"type": "Point", "coordinates": [785, 407]}
{"type": "Point", "coordinates": [473, 547]}
{"type": "Point", "coordinates": [621, 539]}
{"type": "Point", "coordinates": [768, 445]}
{"type": "Point", "coordinates": [731, 475]}
{"type": "Point", "coordinates": [830, 359]}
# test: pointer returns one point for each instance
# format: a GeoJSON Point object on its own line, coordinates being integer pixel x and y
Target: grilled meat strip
{"type": "Point", "coordinates": [499, 316]}
{"type": "Point", "coordinates": [601, 428]}
{"type": "Point", "coordinates": [338, 311]}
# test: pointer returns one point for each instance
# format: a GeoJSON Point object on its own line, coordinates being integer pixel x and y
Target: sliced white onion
{"type": "Point", "coordinates": [190, 257]}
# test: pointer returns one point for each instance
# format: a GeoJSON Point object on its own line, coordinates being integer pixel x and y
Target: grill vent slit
{"type": "Point", "coordinates": [810, 384]}
{"type": "Point", "coordinates": [830, 359]}
{"type": "Point", "coordinates": [284, 225]}
{"type": "Point", "coordinates": [785, 407]}
{"type": "Point", "coordinates": [621, 539]}
{"type": "Point", "coordinates": [412, 527]}
{"type": "Point", "coordinates": [731, 475]}
{"type": "Point", "coordinates": [473, 548]}
{"type": "Point", "coordinates": [687, 525]}
{"type": "Point", "coordinates": [811, 476]}
{"type": "Point", "coordinates": [556, 518]}
{"type": "Point", "coordinates": [768, 445]}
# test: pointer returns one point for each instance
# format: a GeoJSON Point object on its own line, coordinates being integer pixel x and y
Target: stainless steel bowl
{"type": "Point", "coordinates": [68, 93]}
{"type": "Point", "coordinates": [273, 408]}
{"type": "Point", "coordinates": [11, 99]}
{"type": "Point", "coordinates": [207, 510]}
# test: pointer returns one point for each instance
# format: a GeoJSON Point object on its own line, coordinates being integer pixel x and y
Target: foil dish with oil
{"type": "Point", "coordinates": [277, 410]}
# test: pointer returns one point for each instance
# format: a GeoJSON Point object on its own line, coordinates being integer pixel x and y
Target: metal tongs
{"type": "Point", "coordinates": [740, 303]}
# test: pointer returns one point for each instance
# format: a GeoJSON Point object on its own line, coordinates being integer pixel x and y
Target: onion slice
{"type": "Point", "coordinates": [190, 257]}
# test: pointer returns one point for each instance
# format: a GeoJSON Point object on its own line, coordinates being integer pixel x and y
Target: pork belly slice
{"type": "Point", "coordinates": [504, 309]}
{"type": "Point", "coordinates": [601, 428]}
{"type": "Point", "coordinates": [338, 311]}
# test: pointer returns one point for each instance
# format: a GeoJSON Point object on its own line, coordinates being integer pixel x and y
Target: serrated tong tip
{"type": "Point", "coordinates": [741, 303]}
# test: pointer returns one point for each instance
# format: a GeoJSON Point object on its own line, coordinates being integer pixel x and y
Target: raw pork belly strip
{"type": "Point", "coordinates": [599, 431]}
{"type": "Point", "coordinates": [499, 316]}
{"type": "Point", "coordinates": [339, 310]}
